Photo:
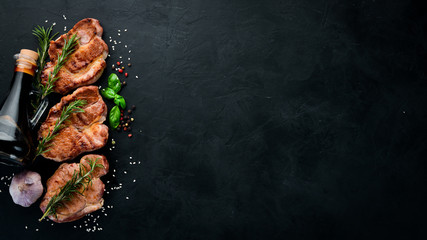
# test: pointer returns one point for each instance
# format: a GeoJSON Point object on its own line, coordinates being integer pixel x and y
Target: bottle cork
{"type": "Point", "coordinates": [30, 53]}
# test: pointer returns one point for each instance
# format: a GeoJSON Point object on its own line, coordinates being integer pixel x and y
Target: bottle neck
{"type": "Point", "coordinates": [25, 70]}
{"type": "Point", "coordinates": [22, 65]}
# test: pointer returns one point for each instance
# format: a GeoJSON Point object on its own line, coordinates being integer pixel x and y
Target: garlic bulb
{"type": "Point", "coordinates": [26, 188]}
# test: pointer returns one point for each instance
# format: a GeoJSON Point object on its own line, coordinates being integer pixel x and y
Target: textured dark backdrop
{"type": "Point", "coordinates": [294, 119]}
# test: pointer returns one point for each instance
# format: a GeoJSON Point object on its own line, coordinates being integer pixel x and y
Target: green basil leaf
{"type": "Point", "coordinates": [114, 117]}
{"type": "Point", "coordinates": [108, 93]}
{"type": "Point", "coordinates": [114, 82]}
{"type": "Point", "coordinates": [120, 101]}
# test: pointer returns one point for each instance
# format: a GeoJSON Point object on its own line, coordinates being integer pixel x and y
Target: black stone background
{"type": "Point", "coordinates": [294, 119]}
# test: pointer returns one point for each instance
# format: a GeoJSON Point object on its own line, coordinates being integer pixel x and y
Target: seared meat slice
{"type": "Point", "coordinates": [83, 132]}
{"type": "Point", "coordinates": [86, 64]}
{"type": "Point", "coordinates": [79, 205]}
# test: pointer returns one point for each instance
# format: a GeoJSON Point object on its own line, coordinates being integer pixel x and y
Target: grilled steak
{"type": "Point", "coordinates": [83, 132]}
{"type": "Point", "coordinates": [79, 205]}
{"type": "Point", "coordinates": [86, 64]}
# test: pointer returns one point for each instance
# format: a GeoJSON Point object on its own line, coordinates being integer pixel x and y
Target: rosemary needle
{"type": "Point", "coordinates": [73, 107]}
{"type": "Point", "coordinates": [77, 184]}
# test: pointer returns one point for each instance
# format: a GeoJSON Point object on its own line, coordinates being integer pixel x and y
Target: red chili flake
{"type": "Point", "coordinates": [121, 118]}
{"type": "Point", "coordinates": [130, 135]}
{"type": "Point", "coordinates": [124, 129]}
{"type": "Point", "coordinates": [121, 114]}
{"type": "Point", "coordinates": [118, 63]}
{"type": "Point", "coordinates": [126, 74]}
{"type": "Point", "coordinates": [120, 70]}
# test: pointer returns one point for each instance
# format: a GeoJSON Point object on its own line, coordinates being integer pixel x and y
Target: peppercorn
{"type": "Point", "coordinates": [129, 111]}
{"type": "Point", "coordinates": [119, 126]}
{"type": "Point", "coordinates": [133, 107]}
{"type": "Point", "coordinates": [120, 70]}
{"type": "Point", "coordinates": [129, 128]}
{"type": "Point", "coordinates": [128, 121]}
{"type": "Point", "coordinates": [125, 129]}
{"type": "Point", "coordinates": [118, 63]}
{"type": "Point", "coordinates": [124, 83]}
{"type": "Point", "coordinates": [130, 135]}
{"type": "Point", "coordinates": [113, 67]}
{"type": "Point", "coordinates": [126, 74]}
{"type": "Point", "coordinates": [129, 64]}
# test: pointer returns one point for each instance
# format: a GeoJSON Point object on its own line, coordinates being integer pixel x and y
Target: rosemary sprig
{"type": "Point", "coordinates": [74, 107]}
{"type": "Point", "coordinates": [67, 50]}
{"type": "Point", "coordinates": [44, 37]}
{"type": "Point", "coordinates": [77, 184]}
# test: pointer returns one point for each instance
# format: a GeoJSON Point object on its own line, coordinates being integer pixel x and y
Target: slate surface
{"type": "Point", "coordinates": [286, 119]}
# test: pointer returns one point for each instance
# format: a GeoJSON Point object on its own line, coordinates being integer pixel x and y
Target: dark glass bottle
{"type": "Point", "coordinates": [16, 146]}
